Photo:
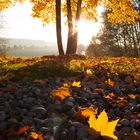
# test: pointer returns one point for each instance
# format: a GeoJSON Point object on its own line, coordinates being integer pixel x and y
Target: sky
{"type": "Point", "coordinates": [20, 24]}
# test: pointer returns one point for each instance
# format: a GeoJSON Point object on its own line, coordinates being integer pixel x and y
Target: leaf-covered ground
{"type": "Point", "coordinates": [39, 99]}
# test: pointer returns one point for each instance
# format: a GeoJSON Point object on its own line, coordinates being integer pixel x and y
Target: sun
{"type": "Point", "coordinates": [87, 30]}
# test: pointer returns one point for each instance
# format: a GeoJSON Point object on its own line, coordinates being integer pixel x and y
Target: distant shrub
{"type": "Point", "coordinates": [3, 53]}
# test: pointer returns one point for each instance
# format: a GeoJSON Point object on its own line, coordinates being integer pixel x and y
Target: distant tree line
{"type": "Point", "coordinates": [118, 40]}
{"type": "Point", "coordinates": [3, 42]}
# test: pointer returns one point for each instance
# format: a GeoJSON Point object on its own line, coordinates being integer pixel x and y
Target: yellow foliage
{"type": "Point", "coordinates": [61, 93]}
{"type": "Point", "coordinates": [102, 125]}
{"type": "Point", "coordinates": [4, 4]}
{"type": "Point", "coordinates": [89, 72]}
{"type": "Point", "coordinates": [76, 84]}
{"type": "Point", "coordinates": [66, 85]}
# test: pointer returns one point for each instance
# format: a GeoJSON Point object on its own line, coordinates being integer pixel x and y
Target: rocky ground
{"type": "Point", "coordinates": [31, 104]}
{"type": "Point", "coordinates": [28, 106]}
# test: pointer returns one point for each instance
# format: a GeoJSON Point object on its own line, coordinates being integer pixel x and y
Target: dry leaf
{"type": "Point", "coordinates": [89, 72]}
{"type": "Point", "coordinates": [66, 85]}
{"type": "Point", "coordinates": [61, 93]}
{"type": "Point", "coordinates": [110, 96]}
{"type": "Point", "coordinates": [132, 96]}
{"type": "Point", "coordinates": [36, 136]}
{"type": "Point", "coordinates": [102, 126]}
{"type": "Point", "coordinates": [109, 82]}
{"type": "Point", "coordinates": [86, 112]}
{"type": "Point", "coordinates": [22, 130]}
{"type": "Point", "coordinates": [76, 84]}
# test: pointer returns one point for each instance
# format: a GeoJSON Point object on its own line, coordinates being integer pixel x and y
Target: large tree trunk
{"type": "Point", "coordinates": [78, 13]}
{"type": "Point", "coordinates": [58, 27]}
{"type": "Point", "coordinates": [70, 41]}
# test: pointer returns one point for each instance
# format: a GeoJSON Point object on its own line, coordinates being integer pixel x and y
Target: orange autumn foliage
{"type": "Point", "coordinates": [61, 93]}
{"type": "Point", "coordinates": [36, 136]}
{"type": "Point", "coordinates": [86, 112]}
{"type": "Point", "coordinates": [109, 82]}
{"type": "Point", "coordinates": [22, 130]}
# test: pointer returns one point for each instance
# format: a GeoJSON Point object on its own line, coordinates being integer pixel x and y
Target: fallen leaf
{"type": "Point", "coordinates": [61, 93]}
{"type": "Point", "coordinates": [22, 130]}
{"type": "Point", "coordinates": [132, 96]}
{"type": "Point", "coordinates": [110, 96]}
{"type": "Point", "coordinates": [76, 84]}
{"type": "Point", "coordinates": [86, 112]}
{"type": "Point", "coordinates": [36, 136]}
{"type": "Point", "coordinates": [66, 85]}
{"type": "Point", "coordinates": [102, 126]}
{"type": "Point", "coordinates": [109, 82]}
{"type": "Point", "coordinates": [89, 72]}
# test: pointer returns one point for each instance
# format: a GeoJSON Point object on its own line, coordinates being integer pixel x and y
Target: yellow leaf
{"type": "Point", "coordinates": [102, 125]}
{"type": "Point", "coordinates": [109, 129]}
{"type": "Point", "coordinates": [89, 72]}
{"type": "Point", "coordinates": [76, 84]}
{"type": "Point", "coordinates": [93, 123]}
{"type": "Point", "coordinates": [66, 85]}
{"type": "Point", "coordinates": [102, 119]}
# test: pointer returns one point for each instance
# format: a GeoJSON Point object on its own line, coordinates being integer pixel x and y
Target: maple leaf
{"type": "Point", "coordinates": [76, 84]}
{"type": "Point", "coordinates": [61, 93]}
{"type": "Point", "coordinates": [102, 126]}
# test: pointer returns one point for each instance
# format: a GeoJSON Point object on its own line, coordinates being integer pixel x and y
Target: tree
{"type": "Point", "coordinates": [120, 11]}
{"type": "Point", "coordinates": [115, 40]}
{"type": "Point", "coordinates": [58, 27]}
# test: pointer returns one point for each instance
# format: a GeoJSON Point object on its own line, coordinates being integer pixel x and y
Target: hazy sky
{"type": "Point", "coordinates": [19, 24]}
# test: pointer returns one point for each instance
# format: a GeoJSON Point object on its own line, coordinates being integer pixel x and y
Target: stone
{"type": "Point", "coordinates": [3, 126]}
{"type": "Point", "coordinates": [40, 110]}
{"type": "Point", "coordinates": [2, 116]}
{"type": "Point", "coordinates": [12, 121]}
{"type": "Point", "coordinates": [44, 130]}
{"type": "Point", "coordinates": [95, 96]}
{"type": "Point", "coordinates": [137, 98]}
{"type": "Point", "coordinates": [47, 122]}
{"type": "Point", "coordinates": [82, 132]}
{"type": "Point", "coordinates": [69, 104]}
{"type": "Point", "coordinates": [125, 122]}
{"type": "Point", "coordinates": [133, 123]}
